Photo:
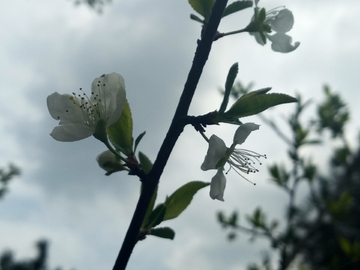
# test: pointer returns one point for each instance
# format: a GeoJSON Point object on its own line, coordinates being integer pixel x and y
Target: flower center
{"type": "Point", "coordinates": [93, 109]}
{"type": "Point", "coordinates": [243, 161]}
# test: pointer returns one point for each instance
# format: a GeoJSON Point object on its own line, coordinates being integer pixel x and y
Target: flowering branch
{"type": "Point", "coordinates": [151, 181]}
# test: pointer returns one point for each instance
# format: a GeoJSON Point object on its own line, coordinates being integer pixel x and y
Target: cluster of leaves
{"type": "Point", "coordinates": [249, 103]}
{"type": "Point", "coordinates": [324, 232]}
{"type": "Point", "coordinates": [173, 206]}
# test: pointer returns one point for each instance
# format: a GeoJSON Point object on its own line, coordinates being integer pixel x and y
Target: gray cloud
{"type": "Point", "coordinates": [64, 196]}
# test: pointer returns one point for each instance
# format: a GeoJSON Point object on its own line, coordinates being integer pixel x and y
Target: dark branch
{"type": "Point", "coordinates": [176, 128]}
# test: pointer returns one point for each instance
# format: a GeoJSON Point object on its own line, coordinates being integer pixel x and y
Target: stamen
{"type": "Point", "coordinates": [242, 161]}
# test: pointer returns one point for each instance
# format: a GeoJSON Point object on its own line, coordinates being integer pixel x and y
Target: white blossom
{"type": "Point", "coordinates": [281, 21]}
{"type": "Point", "coordinates": [81, 115]}
{"type": "Point", "coordinates": [218, 155]}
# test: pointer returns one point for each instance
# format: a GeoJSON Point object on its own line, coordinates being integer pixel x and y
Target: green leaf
{"type": "Point", "coordinates": [256, 104]}
{"type": "Point", "coordinates": [145, 162]}
{"type": "Point", "coordinates": [279, 175]}
{"type": "Point", "coordinates": [228, 86]}
{"type": "Point", "coordinates": [156, 216]}
{"type": "Point", "coordinates": [261, 91]}
{"type": "Point", "coordinates": [196, 18]}
{"type": "Point", "coordinates": [345, 245]}
{"type": "Point", "coordinates": [164, 232]}
{"type": "Point", "coordinates": [181, 198]}
{"type": "Point", "coordinates": [150, 208]}
{"type": "Point", "coordinates": [203, 7]}
{"type": "Point", "coordinates": [138, 139]}
{"type": "Point", "coordinates": [120, 133]}
{"type": "Point", "coordinates": [237, 6]}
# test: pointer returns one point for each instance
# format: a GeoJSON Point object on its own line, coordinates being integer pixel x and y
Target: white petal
{"type": "Point", "coordinates": [282, 43]}
{"type": "Point", "coordinates": [217, 186]}
{"type": "Point", "coordinates": [62, 108]}
{"type": "Point", "coordinates": [216, 151]}
{"type": "Point", "coordinates": [243, 132]}
{"type": "Point", "coordinates": [72, 132]}
{"type": "Point", "coordinates": [111, 89]}
{"type": "Point", "coordinates": [283, 21]}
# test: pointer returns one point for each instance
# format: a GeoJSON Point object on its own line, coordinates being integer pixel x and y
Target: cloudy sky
{"type": "Point", "coordinates": [62, 195]}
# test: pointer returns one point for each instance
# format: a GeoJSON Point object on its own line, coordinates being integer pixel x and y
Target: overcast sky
{"type": "Point", "coordinates": [62, 195]}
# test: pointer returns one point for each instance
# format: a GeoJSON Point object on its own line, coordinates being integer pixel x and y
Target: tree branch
{"type": "Point", "coordinates": [176, 128]}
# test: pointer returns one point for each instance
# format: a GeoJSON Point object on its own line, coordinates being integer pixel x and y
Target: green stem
{"type": "Point", "coordinates": [109, 146]}
{"type": "Point", "coordinates": [234, 32]}
{"type": "Point", "coordinates": [204, 136]}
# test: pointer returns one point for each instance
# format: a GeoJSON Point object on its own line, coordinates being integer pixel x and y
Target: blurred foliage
{"type": "Point", "coordinates": [97, 5]}
{"type": "Point", "coordinates": [6, 176]}
{"type": "Point", "coordinates": [7, 261]}
{"type": "Point", "coordinates": [321, 231]}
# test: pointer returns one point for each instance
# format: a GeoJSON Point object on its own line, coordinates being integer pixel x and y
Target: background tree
{"type": "Point", "coordinates": [6, 176]}
{"type": "Point", "coordinates": [323, 231]}
{"type": "Point", "coordinates": [95, 4]}
{"type": "Point", "coordinates": [7, 260]}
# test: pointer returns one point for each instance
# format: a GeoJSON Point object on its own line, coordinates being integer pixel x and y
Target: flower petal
{"type": "Point", "coordinates": [243, 132]}
{"type": "Point", "coordinates": [282, 43]}
{"type": "Point", "coordinates": [62, 107]}
{"type": "Point", "coordinates": [111, 89]}
{"type": "Point", "coordinates": [72, 132]}
{"type": "Point", "coordinates": [283, 22]}
{"type": "Point", "coordinates": [217, 186]}
{"type": "Point", "coordinates": [216, 151]}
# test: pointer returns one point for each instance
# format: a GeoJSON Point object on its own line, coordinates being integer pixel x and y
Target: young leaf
{"type": "Point", "coordinates": [181, 198]}
{"type": "Point", "coordinates": [145, 162]}
{"type": "Point", "coordinates": [164, 232]}
{"type": "Point", "coordinates": [228, 86]}
{"type": "Point", "coordinates": [156, 216]}
{"type": "Point", "coordinates": [196, 18]}
{"type": "Point", "coordinates": [138, 139]}
{"type": "Point", "coordinates": [345, 245]}
{"type": "Point", "coordinates": [256, 104]}
{"type": "Point", "coordinates": [120, 133]}
{"type": "Point", "coordinates": [257, 92]}
{"type": "Point", "coordinates": [236, 6]}
{"type": "Point", "coordinates": [150, 208]}
{"type": "Point", "coordinates": [203, 7]}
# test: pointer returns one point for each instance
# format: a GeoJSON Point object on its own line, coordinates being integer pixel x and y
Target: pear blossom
{"type": "Point", "coordinates": [281, 21]}
{"type": "Point", "coordinates": [218, 155]}
{"type": "Point", "coordinates": [82, 116]}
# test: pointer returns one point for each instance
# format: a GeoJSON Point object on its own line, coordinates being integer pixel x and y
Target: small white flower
{"type": "Point", "coordinates": [80, 115]}
{"type": "Point", "coordinates": [240, 160]}
{"type": "Point", "coordinates": [281, 22]}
